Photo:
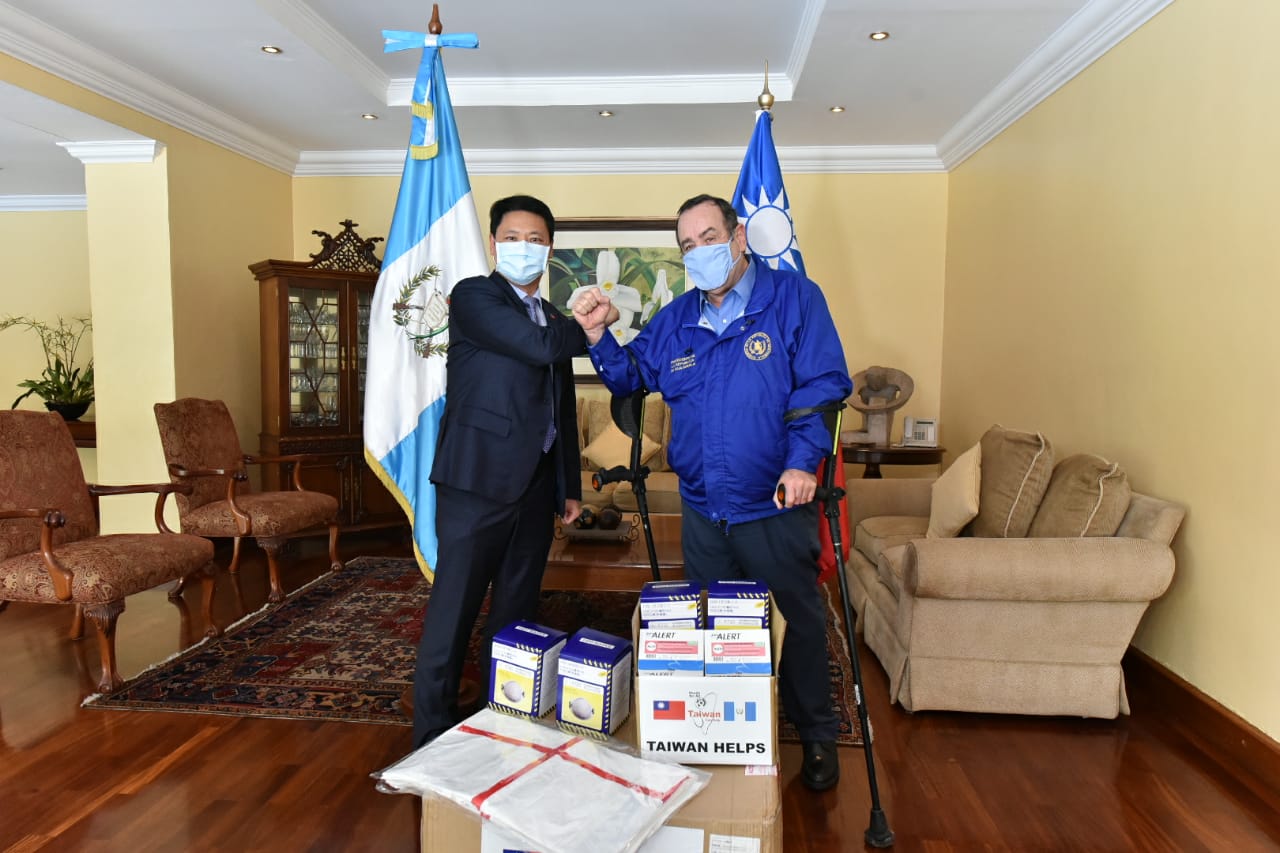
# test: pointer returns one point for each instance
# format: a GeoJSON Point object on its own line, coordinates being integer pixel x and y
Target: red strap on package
{"type": "Point", "coordinates": [552, 789]}
{"type": "Point", "coordinates": [548, 753]}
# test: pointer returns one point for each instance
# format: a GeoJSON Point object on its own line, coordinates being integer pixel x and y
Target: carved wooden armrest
{"type": "Point", "coordinates": [51, 518]}
{"type": "Point", "coordinates": [297, 460]}
{"type": "Point", "coordinates": [161, 490]}
{"type": "Point", "coordinates": [244, 526]}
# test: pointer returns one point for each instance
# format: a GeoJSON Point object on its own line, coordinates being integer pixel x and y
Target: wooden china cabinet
{"type": "Point", "coordinates": [315, 323]}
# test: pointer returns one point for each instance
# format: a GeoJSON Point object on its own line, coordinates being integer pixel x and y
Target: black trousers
{"type": "Point", "coordinates": [782, 551]}
{"type": "Point", "coordinates": [481, 543]}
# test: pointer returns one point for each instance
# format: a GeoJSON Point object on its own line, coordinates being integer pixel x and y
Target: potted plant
{"type": "Point", "coordinates": [64, 387]}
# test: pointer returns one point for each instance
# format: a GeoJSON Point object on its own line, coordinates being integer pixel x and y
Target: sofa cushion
{"type": "Point", "coordinates": [1016, 467]}
{"type": "Point", "coordinates": [612, 447]}
{"type": "Point", "coordinates": [874, 535]}
{"type": "Point", "coordinates": [954, 496]}
{"type": "Point", "coordinates": [1087, 496]}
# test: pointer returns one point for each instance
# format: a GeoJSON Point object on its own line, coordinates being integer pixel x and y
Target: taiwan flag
{"type": "Point", "coordinates": [664, 710]}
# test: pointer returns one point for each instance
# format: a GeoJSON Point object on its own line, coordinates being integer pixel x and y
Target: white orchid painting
{"type": "Point", "coordinates": [640, 281]}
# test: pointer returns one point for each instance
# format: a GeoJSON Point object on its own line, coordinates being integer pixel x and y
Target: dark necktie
{"type": "Point", "coordinates": [534, 307]}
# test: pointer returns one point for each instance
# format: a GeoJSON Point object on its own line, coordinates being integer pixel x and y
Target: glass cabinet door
{"type": "Point", "coordinates": [314, 386]}
{"type": "Point", "coordinates": [364, 300]}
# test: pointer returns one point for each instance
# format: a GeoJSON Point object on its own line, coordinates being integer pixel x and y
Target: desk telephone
{"type": "Point", "coordinates": [919, 432]}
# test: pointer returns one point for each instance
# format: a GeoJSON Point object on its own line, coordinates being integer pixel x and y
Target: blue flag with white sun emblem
{"type": "Point", "coordinates": [761, 202]}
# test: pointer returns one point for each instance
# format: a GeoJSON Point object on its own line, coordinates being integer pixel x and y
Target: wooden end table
{"type": "Point", "coordinates": [615, 565]}
{"type": "Point", "coordinates": [873, 456]}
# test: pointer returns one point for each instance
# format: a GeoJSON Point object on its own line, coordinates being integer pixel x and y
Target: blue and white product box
{"type": "Point", "coordinates": [522, 672]}
{"type": "Point", "coordinates": [671, 604]}
{"type": "Point", "coordinates": [594, 682]}
{"type": "Point", "coordinates": [664, 651]}
{"type": "Point", "coordinates": [737, 651]}
{"type": "Point", "coordinates": [737, 604]}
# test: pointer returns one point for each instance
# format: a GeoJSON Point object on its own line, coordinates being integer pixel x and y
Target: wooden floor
{"type": "Point", "coordinates": [75, 779]}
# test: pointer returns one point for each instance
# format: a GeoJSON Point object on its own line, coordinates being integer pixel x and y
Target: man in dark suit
{"type": "Point", "coordinates": [507, 458]}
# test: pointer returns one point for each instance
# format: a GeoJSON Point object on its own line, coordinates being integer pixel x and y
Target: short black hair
{"type": "Point", "coordinates": [726, 210]}
{"type": "Point", "coordinates": [527, 203]}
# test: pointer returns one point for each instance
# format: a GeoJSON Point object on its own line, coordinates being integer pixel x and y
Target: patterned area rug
{"type": "Point", "coordinates": [343, 648]}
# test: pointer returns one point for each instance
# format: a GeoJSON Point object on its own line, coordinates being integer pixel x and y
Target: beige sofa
{"type": "Point", "coordinates": [1005, 623]}
{"type": "Point", "coordinates": [604, 446]}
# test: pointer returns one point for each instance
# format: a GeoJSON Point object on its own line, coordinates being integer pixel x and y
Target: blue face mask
{"type": "Point", "coordinates": [521, 263]}
{"type": "Point", "coordinates": [708, 267]}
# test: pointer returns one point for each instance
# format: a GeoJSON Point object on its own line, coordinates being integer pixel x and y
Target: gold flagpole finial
{"type": "Point", "coordinates": [765, 100]}
{"type": "Point", "coordinates": [435, 27]}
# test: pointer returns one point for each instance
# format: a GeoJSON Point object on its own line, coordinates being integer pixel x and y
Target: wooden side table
{"type": "Point", "coordinates": [873, 456]}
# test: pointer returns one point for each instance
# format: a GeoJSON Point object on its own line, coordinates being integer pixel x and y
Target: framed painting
{"type": "Point", "coordinates": [634, 261]}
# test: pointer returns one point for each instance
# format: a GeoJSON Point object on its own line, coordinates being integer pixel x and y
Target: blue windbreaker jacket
{"type": "Point", "coordinates": [728, 394]}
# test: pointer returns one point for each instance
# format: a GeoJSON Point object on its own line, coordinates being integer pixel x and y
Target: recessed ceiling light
{"type": "Point", "coordinates": [271, 48]}
{"type": "Point", "coordinates": [837, 109]}
{"type": "Point", "coordinates": [368, 117]}
{"type": "Point", "coordinates": [605, 113]}
{"type": "Point", "coordinates": [879, 35]}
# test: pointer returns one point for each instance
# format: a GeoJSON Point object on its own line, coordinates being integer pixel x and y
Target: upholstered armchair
{"type": "Point", "coordinates": [51, 551]}
{"type": "Point", "coordinates": [203, 451]}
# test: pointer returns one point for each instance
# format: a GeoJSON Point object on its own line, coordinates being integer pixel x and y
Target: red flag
{"type": "Point", "coordinates": [827, 556]}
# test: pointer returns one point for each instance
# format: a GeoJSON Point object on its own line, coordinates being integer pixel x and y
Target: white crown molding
{"type": "Point", "coordinates": [114, 151]}
{"type": "Point", "coordinates": [1077, 44]}
{"type": "Point", "coordinates": [300, 19]}
{"type": "Point", "coordinates": [635, 161]}
{"type": "Point", "coordinates": [42, 203]}
{"type": "Point", "coordinates": [51, 50]}
{"type": "Point", "coordinates": [588, 91]}
{"type": "Point", "coordinates": [809, 19]}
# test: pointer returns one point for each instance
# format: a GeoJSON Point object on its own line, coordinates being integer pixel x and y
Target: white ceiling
{"type": "Point", "coordinates": [682, 79]}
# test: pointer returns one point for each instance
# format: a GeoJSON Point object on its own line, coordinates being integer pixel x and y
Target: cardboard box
{"type": "Point", "coordinates": [664, 651]}
{"type": "Point", "coordinates": [708, 719]}
{"type": "Point", "coordinates": [522, 672]}
{"type": "Point", "coordinates": [671, 604]}
{"type": "Point", "coordinates": [737, 604]}
{"type": "Point", "coordinates": [594, 682]}
{"type": "Point", "coordinates": [740, 809]}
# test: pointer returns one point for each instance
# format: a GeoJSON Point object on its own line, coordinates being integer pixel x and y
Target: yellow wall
{"type": "Point", "coordinates": [874, 242]}
{"type": "Point", "coordinates": [224, 212]}
{"type": "Point", "coordinates": [1112, 282]}
{"type": "Point", "coordinates": [46, 276]}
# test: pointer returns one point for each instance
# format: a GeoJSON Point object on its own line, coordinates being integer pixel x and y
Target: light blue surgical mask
{"type": "Point", "coordinates": [708, 267]}
{"type": "Point", "coordinates": [521, 263]}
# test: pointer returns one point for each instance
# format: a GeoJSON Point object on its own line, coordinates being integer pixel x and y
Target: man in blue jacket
{"type": "Point", "coordinates": [730, 359]}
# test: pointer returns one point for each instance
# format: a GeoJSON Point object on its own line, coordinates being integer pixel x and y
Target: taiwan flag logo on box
{"type": "Point", "coordinates": [664, 710]}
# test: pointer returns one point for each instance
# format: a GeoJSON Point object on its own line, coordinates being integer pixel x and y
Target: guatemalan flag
{"type": "Point", "coordinates": [761, 201]}
{"type": "Point", "coordinates": [435, 242]}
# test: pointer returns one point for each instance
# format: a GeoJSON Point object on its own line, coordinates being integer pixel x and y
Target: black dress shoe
{"type": "Point", "coordinates": [821, 768]}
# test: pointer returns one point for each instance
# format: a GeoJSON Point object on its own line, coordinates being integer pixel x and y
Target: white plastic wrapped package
{"type": "Point", "coordinates": [560, 792]}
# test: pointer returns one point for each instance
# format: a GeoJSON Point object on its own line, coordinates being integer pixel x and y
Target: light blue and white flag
{"type": "Point", "coordinates": [435, 242]}
{"type": "Point", "coordinates": [761, 201]}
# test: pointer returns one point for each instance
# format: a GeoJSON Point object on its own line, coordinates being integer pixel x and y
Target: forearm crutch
{"type": "Point", "coordinates": [830, 493]}
{"type": "Point", "coordinates": [628, 414]}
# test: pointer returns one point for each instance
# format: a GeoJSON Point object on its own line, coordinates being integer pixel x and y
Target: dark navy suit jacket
{"type": "Point", "coordinates": [504, 372]}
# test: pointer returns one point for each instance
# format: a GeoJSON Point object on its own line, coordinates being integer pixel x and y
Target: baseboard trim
{"type": "Point", "coordinates": [1225, 738]}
